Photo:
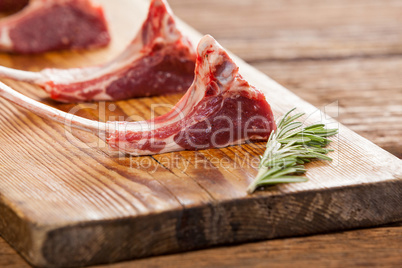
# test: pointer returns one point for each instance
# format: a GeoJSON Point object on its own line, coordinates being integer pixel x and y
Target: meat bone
{"type": "Point", "coordinates": [219, 109]}
{"type": "Point", "coordinates": [159, 60]}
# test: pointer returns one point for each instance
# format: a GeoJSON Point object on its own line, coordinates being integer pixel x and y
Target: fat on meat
{"type": "Point", "coordinates": [47, 25]}
{"type": "Point", "coordinates": [160, 60]}
{"type": "Point", "coordinates": [219, 109]}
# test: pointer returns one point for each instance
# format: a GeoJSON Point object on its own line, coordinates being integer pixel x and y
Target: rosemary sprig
{"type": "Point", "coordinates": [289, 147]}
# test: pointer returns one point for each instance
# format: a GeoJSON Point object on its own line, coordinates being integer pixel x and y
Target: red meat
{"type": "Point", "coordinates": [219, 109]}
{"type": "Point", "coordinates": [159, 60]}
{"type": "Point", "coordinates": [46, 25]}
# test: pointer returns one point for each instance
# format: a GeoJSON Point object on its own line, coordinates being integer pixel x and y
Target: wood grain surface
{"type": "Point", "coordinates": [375, 247]}
{"type": "Point", "coordinates": [351, 62]}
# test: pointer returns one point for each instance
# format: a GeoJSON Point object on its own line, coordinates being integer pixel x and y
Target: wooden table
{"type": "Point", "coordinates": [343, 52]}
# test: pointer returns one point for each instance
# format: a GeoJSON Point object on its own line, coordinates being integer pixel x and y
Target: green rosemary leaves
{"type": "Point", "coordinates": [289, 147]}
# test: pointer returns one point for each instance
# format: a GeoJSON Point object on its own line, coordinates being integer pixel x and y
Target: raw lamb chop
{"type": "Point", "coordinates": [159, 60]}
{"type": "Point", "coordinates": [219, 109]}
{"type": "Point", "coordinates": [12, 5]}
{"type": "Point", "coordinates": [46, 25]}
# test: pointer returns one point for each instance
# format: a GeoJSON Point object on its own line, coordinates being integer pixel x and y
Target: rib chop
{"type": "Point", "coordinates": [46, 25]}
{"type": "Point", "coordinates": [219, 109]}
{"type": "Point", "coordinates": [159, 60]}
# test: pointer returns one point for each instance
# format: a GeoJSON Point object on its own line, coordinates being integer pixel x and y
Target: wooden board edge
{"type": "Point", "coordinates": [18, 232]}
{"type": "Point", "coordinates": [231, 222]}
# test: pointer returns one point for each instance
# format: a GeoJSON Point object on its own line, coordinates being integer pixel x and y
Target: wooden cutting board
{"type": "Point", "coordinates": [67, 200]}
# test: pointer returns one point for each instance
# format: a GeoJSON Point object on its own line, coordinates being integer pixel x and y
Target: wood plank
{"type": "Point", "coordinates": [9, 257]}
{"type": "Point", "coordinates": [350, 248]}
{"type": "Point", "coordinates": [337, 250]}
{"type": "Point", "coordinates": [324, 51]}
{"type": "Point", "coordinates": [287, 29]}
{"type": "Point", "coordinates": [367, 92]}
{"type": "Point", "coordinates": [101, 209]}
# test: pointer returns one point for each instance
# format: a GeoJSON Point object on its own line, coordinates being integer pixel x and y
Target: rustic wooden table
{"type": "Point", "coordinates": [343, 52]}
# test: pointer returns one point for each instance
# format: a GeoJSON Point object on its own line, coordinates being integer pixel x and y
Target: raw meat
{"type": "Point", "coordinates": [219, 109]}
{"type": "Point", "coordinates": [46, 25]}
{"type": "Point", "coordinates": [12, 5]}
{"type": "Point", "coordinates": [159, 60]}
